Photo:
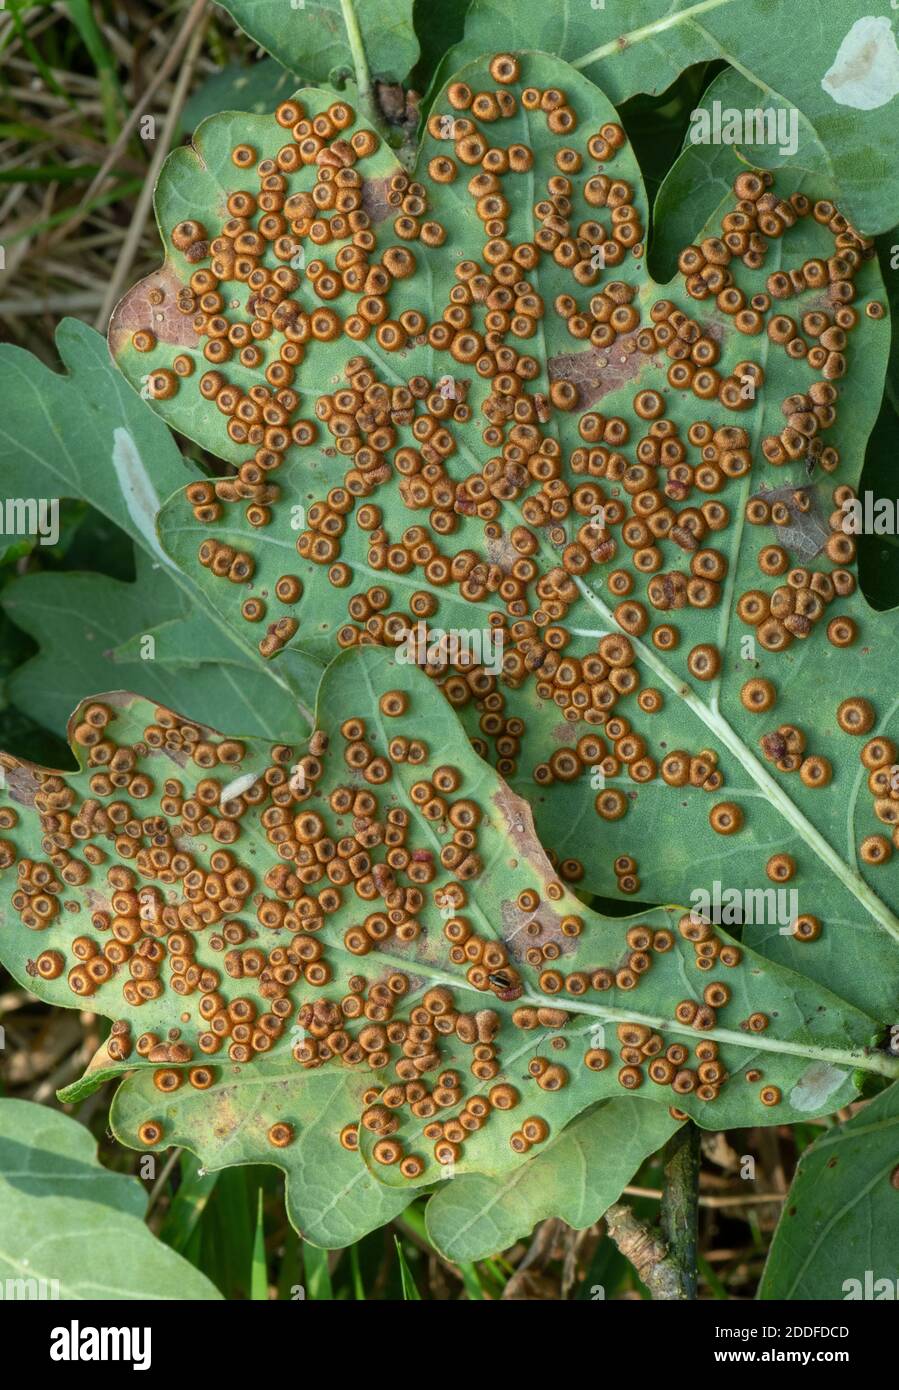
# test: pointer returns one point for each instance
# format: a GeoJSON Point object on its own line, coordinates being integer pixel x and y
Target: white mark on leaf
{"type": "Point", "coordinates": [816, 1085]}
{"type": "Point", "coordinates": [238, 786]}
{"type": "Point", "coordinates": [137, 489]}
{"type": "Point", "coordinates": [865, 72]}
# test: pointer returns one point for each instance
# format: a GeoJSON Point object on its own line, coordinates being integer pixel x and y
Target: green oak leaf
{"type": "Point", "coordinates": [238, 87]}
{"type": "Point", "coordinates": [822, 827]}
{"type": "Point", "coordinates": [332, 1199]}
{"type": "Point", "coordinates": [87, 435]}
{"type": "Point", "coordinates": [72, 1227]}
{"type": "Point", "coordinates": [810, 1051]}
{"type": "Point", "coordinates": [839, 67]}
{"type": "Point", "coordinates": [316, 40]}
{"type": "Point", "coordinates": [91, 633]}
{"type": "Point", "coordinates": [698, 184]}
{"type": "Point", "coordinates": [577, 1177]}
{"type": "Point", "coordinates": [836, 1237]}
{"type": "Point", "coordinates": [699, 180]}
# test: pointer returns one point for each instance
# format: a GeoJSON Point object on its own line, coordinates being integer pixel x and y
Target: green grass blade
{"type": "Point", "coordinates": [410, 1289]}
{"type": "Point", "coordinates": [110, 92]}
{"type": "Point", "coordinates": [258, 1272]}
{"type": "Point", "coordinates": [189, 1203]}
{"type": "Point", "coordinates": [356, 1271]}
{"type": "Point", "coordinates": [317, 1272]}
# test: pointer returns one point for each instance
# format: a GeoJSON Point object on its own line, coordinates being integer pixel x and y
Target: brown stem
{"type": "Point", "coordinates": [665, 1259]}
{"type": "Point", "coordinates": [647, 1252]}
{"type": "Point", "coordinates": [680, 1204]}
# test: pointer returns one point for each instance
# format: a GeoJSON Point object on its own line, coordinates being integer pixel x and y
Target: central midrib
{"type": "Point", "coordinates": [646, 31]}
{"type": "Point", "coordinates": [858, 1057]}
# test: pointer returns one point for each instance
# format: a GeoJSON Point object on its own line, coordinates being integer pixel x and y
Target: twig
{"type": "Point", "coordinates": [543, 1240]}
{"type": "Point", "coordinates": [665, 1259]}
{"type": "Point", "coordinates": [727, 1199]}
{"type": "Point", "coordinates": [144, 202]}
{"type": "Point", "coordinates": [68, 1068]}
{"type": "Point", "coordinates": [647, 1252]}
{"type": "Point", "coordinates": [163, 1178]}
{"type": "Point", "coordinates": [52, 304]}
{"type": "Point", "coordinates": [16, 999]}
{"type": "Point", "coordinates": [678, 1213]}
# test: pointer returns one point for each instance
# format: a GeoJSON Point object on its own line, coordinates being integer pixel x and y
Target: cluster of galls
{"type": "Point", "coordinates": [437, 1016]}
{"type": "Point", "coordinates": [758, 217]}
{"type": "Point", "coordinates": [613, 502]}
{"type": "Point", "coordinates": [152, 935]}
{"type": "Point", "coordinates": [155, 937]}
{"type": "Point", "coordinates": [879, 758]}
{"type": "Point", "coordinates": [785, 747]}
{"type": "Point", "coordinates": [664, 1065]}
{"type": "Point", "coordinates": [366, 429]}
{"type": "Point", "coordinates": [419, 1038]}
{"type": "Point", "coordinates": [448, 1135]}
{"type": "Point", "coordinates": [644, 1053]}
{"type": "Point", "coordinates": [791, 611]}
{"type": "Point", "coordinates": [535, 570]}
{"type": "Point", "coordinates": [626, 751]}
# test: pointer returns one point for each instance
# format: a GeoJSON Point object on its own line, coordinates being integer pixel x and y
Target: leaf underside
{"type": "Point", "coordinates": [149, 933]}
{"type": "Point", "coordinates": [531, 722]}
{"type": "Point", "coordinates": [70, 1228]}
{"type": "Point", "coordinates": [838, 68]}
{"type": "Point", "coordinates": [310, 37]}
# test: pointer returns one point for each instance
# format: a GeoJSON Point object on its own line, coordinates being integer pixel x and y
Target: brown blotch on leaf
{"type": "Point", "coordinates": [374, 199]}
{"type": "Point", "coordinates": [596, 374]}
{"type": "Point", "coordinates": [135, 310]}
